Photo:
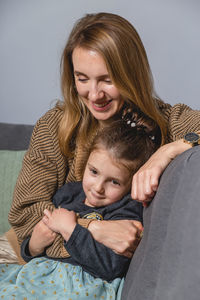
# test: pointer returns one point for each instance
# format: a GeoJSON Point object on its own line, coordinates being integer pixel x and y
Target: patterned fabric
{"type": "Point", "coordinates": [48, 279]}
{"type": "Point", "coordinates": [44, 168]}
{"type": "Point", "coordinates": [7, 254]}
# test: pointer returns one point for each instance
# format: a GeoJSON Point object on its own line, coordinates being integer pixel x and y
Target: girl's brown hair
{"type": "Point", "coordinates": [117, 41]}
{"type": "Point", "coordinates": [128, 146]}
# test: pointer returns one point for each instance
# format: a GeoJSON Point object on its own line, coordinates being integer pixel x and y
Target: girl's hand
{"type": "Point", "coordinates": [41, 237]}
{"type": "Point", "coordinates": [122, 236]}
{"type": "Point", "coordinates": [146, 179]}
{"type": "Point", "coordinates": [60, 220]}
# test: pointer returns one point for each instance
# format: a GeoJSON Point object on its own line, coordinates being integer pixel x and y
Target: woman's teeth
{"type": "Point", "coordinates": [102, 104]}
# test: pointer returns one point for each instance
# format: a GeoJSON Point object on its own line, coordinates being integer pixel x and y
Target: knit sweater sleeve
{"type": "Point", "coordinates": [180, 119]}
{"type": "Point", "coordinates": [43, 172]}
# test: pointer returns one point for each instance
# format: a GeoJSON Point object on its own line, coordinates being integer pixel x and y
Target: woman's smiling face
{"type": "Point", "coordinates": [94, 85]}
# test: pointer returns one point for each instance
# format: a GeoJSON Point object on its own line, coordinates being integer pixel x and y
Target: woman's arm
{"type": "Point", "coordinates": [145, 181]}
{"type": "Point", "coordinates": [43, 171]}
{"type": "Point", "coordinates": [119, 235]}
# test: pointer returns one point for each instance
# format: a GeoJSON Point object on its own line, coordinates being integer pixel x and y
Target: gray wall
{"type": "Point", "coordinates": [33, 34]}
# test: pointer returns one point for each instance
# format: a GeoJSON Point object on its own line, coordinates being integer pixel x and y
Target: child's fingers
{"type": "Point", "coordinates": [47, 213]}
{"type": "Point", "coordinates": [45, 220]}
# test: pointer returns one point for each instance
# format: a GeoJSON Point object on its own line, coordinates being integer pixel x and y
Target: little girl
{"type": "Point", "coordinates": [90, 270]}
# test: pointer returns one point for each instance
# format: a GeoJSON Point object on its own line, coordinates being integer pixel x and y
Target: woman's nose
{"type": "Point", "coordinates": [95, 92]}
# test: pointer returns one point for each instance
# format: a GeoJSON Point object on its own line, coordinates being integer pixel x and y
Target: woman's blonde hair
{"type": "Point", "coordinates": [117, 41]}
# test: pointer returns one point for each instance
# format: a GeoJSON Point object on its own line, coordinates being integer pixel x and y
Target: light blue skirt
{"type": "Point", "coordinates": [43, 278]}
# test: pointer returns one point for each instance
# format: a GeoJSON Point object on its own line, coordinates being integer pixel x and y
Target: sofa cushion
{"type": "Point", "coordinates": [15, 136]}
{"type": "Point", "coordinates": [10, 165]}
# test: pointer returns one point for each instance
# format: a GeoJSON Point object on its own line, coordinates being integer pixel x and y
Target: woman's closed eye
{"type": "Point", "coordinates": [108, 81]}
{"type": "Point", "coordinates": [82, 79]}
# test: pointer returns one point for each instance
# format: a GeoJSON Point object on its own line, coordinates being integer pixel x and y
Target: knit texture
{"type": "Point", "coordinates": [45, 169]}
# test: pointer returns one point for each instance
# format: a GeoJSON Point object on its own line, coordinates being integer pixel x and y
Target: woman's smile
{"type": "Point", "coordinates": [102, 106]}
{"type": "Point", "coordinates": [94, 85]}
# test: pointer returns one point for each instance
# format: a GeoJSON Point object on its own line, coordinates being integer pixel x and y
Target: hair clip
{"type": "Point", "coordinates": [152, 137]}
{"type": "Point", "coordinates": [130, 120]}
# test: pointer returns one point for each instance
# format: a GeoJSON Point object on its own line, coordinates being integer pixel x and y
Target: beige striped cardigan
{"type": "Point", "coordinates": [45, 169]}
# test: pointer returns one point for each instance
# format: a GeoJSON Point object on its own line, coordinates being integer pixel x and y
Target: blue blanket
{"type": "Point", "coordinates": [43, 278]}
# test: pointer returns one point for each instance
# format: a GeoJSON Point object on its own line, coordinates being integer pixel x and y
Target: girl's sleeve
{"type": "Point", "coordinates": [94, 257]}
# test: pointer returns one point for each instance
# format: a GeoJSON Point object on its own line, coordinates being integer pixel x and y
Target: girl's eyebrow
{"type": "Point", "coordinates": [120, 180]}
{"type": "Point", "coordinates": [91, 166]}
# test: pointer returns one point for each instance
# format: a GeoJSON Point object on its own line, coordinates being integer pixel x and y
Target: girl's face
{"type": "Point", "coordinates": [94, 85]}
{"type": "Point", "coordinates": [104, 181]}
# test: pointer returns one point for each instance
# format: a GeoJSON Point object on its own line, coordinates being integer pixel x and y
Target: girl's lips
{"type": "Point", "coordinates": [97, 196]}
{"type": "Point", "coordinates": [102, 106]}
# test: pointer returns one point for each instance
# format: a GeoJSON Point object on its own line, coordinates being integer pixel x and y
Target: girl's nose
{"type": "Point", "coordinates": [99, 187]}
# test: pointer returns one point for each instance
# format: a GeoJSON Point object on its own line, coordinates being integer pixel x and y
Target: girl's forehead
{"type": "Point", "coordinates": [104, 156]}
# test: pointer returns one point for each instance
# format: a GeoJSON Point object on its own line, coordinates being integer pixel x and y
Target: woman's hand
{"type": "Point", "coordinates": [122, 236]}
{"type": "Point", "coordinates": [60, 220]}
{"type": "Point", "coordinates": [145, 181]}
{"type": "Point", "coordinates": [41, 237]}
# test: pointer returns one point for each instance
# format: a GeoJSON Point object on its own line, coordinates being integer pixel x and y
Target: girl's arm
{"type": "Point", "coordinates": [61, 220]}
{"type": "Point", "coordinates": [41, 238]}
{"type": "Point", "coordinates": [35, 245]}
{"type": "Point", "coordinates": [95, 258]}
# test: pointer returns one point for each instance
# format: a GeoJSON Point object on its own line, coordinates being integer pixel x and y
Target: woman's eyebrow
{"type": "Point", "coordinates": [78, 73]}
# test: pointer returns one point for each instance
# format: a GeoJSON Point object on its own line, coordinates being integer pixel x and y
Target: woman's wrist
{"type": "Point", "coordinates": [175, 148]}
{"type": "Point", "coordinates": [96, 228]}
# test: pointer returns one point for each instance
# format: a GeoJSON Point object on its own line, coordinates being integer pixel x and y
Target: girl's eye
{"type": "Point", "coordinates": [93, 171]}
{"type": "Point", "coordinates": [115, 182]}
